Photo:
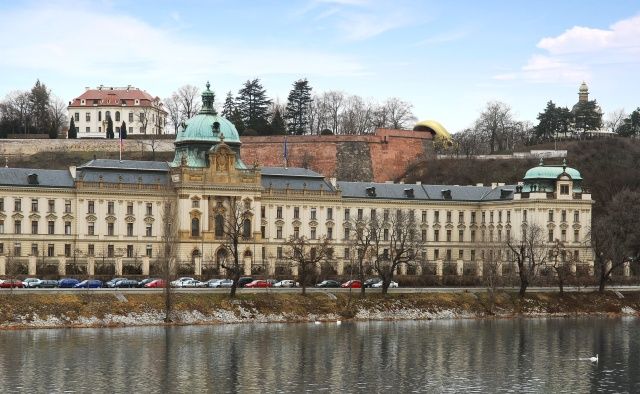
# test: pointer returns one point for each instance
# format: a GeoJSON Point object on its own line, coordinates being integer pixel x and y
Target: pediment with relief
{"type": "Point", "coordinates": [67, 217]}
{"type": "Point", "coordinates": [110, 219]}
{"type": "Point", "coordinates": [91, 218]}
{"type": "Point", "coordinates": [34, 216]}
{"type": "Point", "coordinates": [149, 220]}
{"type": "Point", "coordinates": [51, 217]}
{"type": "Point", "coordinates": [17, 215]}
{"type": "Point", "coordinates": [130, 219]}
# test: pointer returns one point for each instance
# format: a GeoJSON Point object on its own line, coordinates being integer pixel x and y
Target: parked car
{"type": "Point", "coordinates": [287, 283]}
{"type": "Point", "coordinates": [88, 284]}
{"type": "Point", "coordinates": [272, 281]}
{"type": "Point", "coordinates": [47, 283]}
{"type": "Point", "coordinates": [379, 285]}
{"type": "Point", "coordinates": [30, 282]}
{"type": "Point", "coordinates": [126, 283]}
{"type": "Point", "coordinates": [145, 281]}
{"type": "Point", "coordinates": [242, 282]}
{"type": "Point", "coordinates": [371, 282]}
{"type": "Point", "coordinates": [112, 282]}
{"type": "Point", "coordinates": [178, 282]}
{"type": "Point", "coordinates": [67, 283]}
{"type": "Point", "coordinates": [11, 283]}
{"type": "Point", "coordinates": [192, 284]}
{"type": "Point", "coordinates": [155, 283]}
{"type": "Point", "coordinates": [352, 284]}
{"type": "Point", "coordinates": [217, 283]}
{"type": "Point", "coordinates": [328, 283]}
{"type": "Point", "coordinates": [258, 283]}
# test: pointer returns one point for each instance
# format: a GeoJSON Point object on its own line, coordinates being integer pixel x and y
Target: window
{"type": "Point", "coordinates": [99, 116]}
{"type": "Point", "coordinates": [195, 203]}
{"type": "Point", "coordinates": [117, 116]}
{"type": "Point", "coordinates": [313, 214]}
{"type": "Point", "coordinates": [313, 233]}
{"type": "Point", "coordinates": [111, 208]}
{"type": "Point", "coordinates": [508, 216]}
{"type": "Point", "coordinates": [473, 235]}
{"type": "Point", "coordinates": [34, 249]}
{"type": "Point", "coordinates": [195, 227]}
{"type": "Point", "coordinates": [296, 232]}
{"type": "Point", "coordinates": [67, 228]}
{"type": "Point", "coordinates": [473, 217]}
{"type": "Point", "coordinates": [91, 251]}
{"type": "Point", "coordinates": [484, 217]}
{"type": "Point", "coordinates": [17, 226]}
{"type": "Point", "coordinates": [107, 114]}
{"type": "Point", "coordinates": [129, 247]}
{"type": "Point", "coordinates": [460, 217]}
{"type": "Point", "coordinates": [460, 254]}
{"type": "Point", "coordinates": [263, 232]}
{"type": "Point", "coordinates": [329, 213]}
{"type": "Point", "coordinates": [149, 209]}
{"type": "Point", "coordinates": [1, 226]}
{"type": "Point", "coordinates": [91, 206]}
{"type": "Point", "coordinates": [34, 205]}
{"type": "Point", "coordinates": [347, 233]}
{"type": "Point", "coordinates": [448, 235]}
{"type": "Point", "coordinates": [130, 130]}
{"type": "Point", "coordinates": [130, 117]}
{"type": "Point", "coordinates": [347, 213]}
{"type": "Point", "coordinates": [551, 215]}
{"type": "Point", "coordinates": [51, 227]}
{"type": "Point", "coordinates": [449, 255]}
{"type": "Point", "coordinates": [550, 235]}
{"type": "Point", "coordinates": [110, 228]}
{"type": "Point", "coordinates": [110, 251]}
{"type": "Point", "coordinates": [564, 215]}
{"type": "Point", "coordinates": [424, 216]}
{"type": "Point", "coordinates": [576, 216]}
{"type": "Point", "coordinates": [385, 234]}
{"type": "Point", "coordinates": [423, 235]}
{"type": "Point", "coordinates": [148, 231]}
{"type": "Point", "coordinates": [436, 235]}
{"type": "Point", "coordinates": [385, 215]}
{"type": "Point", "coordinates": [563, 235]}
{"type": "Point", "coordinates": [279, 253]}
{"type": "Point", "coordinates": [52, 206]}
{"type": "Point", "coordinates": [473, 255]}
{"type": "Point", "coordinates": [448, 216]}
{"type": "Point", "coordinates": [246, 229]}
{"type": "Point", "coordinates": [436, 254]}
{"type": "Point", "coordinates": [360, 213]}
{"type": "Point", "coordinates": [129, 229]}
{"type": "Point", "coordinates": [141, 115]}
{"type": "Point", "coordinates": [461, 235]}
{"type": "Point", "coordinates": [329, 232]}
{"type": "Point", "coordinates": [17, 205]}
{"type": "Point", "coordinates": [296, 212]}
{"type": "Point", "coordinates": [219, 225]}
{"type": "Point", "coordinates": [491, 217]}
{"type": "Point", "coordinates": [347, 253]}
{"type": "Point", "coordinates": [436, 216]}
{"type": "Point", "coordinates": [87, 116]}
{"type": "Point", "coordinates": [17, 249]}
{"type": "Point", "coordinates": [149, 251]}
{"type": "Point", "coordinates": [67, 206]}
{"type": "Point", "coordinates": [91, 228]}
{"type": "Point", "coordinates": [67, 250]}
{"type": "Point", "coordinates": [51, 250]}
{"type": "Point", "coordinates": [524, 215]}
{"type": "Point", "coordinates": [278, 212]}
{"type": "Point", "coordinates": [564, 190]}
{"type": "Point", "coordinates": [34, 227]}
{"type": "Point", "coordinates": [129, 208]}
{"type": "Point", "coordinates": [2, 204]}
{"type": "Point", "coordinates": [279, 232]}
{"type": "Point", "coordinates": [576, 235]}
{"type": "Point", "coordinates": [262, 212]}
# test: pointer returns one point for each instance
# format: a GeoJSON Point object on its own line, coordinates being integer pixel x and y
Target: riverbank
{"type": "Point", "coordinates": [19, 311]}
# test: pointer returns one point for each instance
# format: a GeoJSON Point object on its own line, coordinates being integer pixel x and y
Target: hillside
{"type": "Point", "coordinates": [607, 166]}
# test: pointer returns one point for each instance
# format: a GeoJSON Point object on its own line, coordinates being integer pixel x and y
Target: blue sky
{"type": "Point", "coordinates": [447, 58]}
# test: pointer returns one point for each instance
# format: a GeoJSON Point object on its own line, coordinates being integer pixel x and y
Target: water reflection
{"type": "Point", "coordinates": [527, 355]}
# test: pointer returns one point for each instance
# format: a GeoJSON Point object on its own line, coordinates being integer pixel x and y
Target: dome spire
{"type": "Point", "coordinates": [208, 98]}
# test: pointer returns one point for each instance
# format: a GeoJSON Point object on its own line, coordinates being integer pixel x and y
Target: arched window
{"type": "Point", "coordinates": [99, 116]}
{"type": "Point", "coordinates": [219, 225]}
{"type": "Point", "coordinates": [195, 227]}
{"type": "Point", "coordinates": [107, 114]}
{"type": "Point", "coordinates": [246, 228]}
{"type": "Point", "coordinates": [117, 116]}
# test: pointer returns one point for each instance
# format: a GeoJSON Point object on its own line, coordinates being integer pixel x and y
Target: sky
{"type": "Point", "coordinates": [448, 59]}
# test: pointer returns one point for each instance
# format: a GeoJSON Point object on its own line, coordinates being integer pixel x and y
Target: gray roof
{"type": "Point", "coordinates": [398, 191]}
{"type": "Point", "coordinates": [293, 178]}
{"type": "Point", "coordinates": [135, 165]}
{"type": "Point", "coordinates": [45, 178]}
{"type": "Point", "coordinates": [290, 172]}
{"type": "Point", "coordinates": [110, 176]}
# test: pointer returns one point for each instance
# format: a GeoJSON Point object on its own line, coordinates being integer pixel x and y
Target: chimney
{"type": "Point", "coordinates": [333, 182]}
{"type": "Point", "coordinates": [72, 171]}
{"type": "Point", "coordinates": [418, 182]}
{"type": "Point", "coordinates": [479, 184]}
{"type": "Point", "coordinates": [493, 185]}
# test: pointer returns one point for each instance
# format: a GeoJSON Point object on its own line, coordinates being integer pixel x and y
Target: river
{"type": "Point", "coordinates": [543, 355]}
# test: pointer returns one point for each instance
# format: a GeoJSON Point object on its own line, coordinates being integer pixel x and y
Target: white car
{"type": "Point", "coordinates": [191, 283]}
{"type": "Point", "coordinates": [379, 285]}
{"type": "Point", "coordinates": [286, 283]}
{"type": "Point", "coordinates": [216, 283]}
{"type": "Point", "coordinates": [178, 282]}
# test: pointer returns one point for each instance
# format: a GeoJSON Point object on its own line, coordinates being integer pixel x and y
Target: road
{"type": "Point", "coordinates": [400, 290]}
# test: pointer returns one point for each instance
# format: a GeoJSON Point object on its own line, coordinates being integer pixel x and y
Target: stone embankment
{"type": "Point", "coordinates": [18, 311]}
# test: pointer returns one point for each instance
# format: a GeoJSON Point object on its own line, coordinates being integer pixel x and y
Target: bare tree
{"type": "Point", "coordinates": [356, 116]}
{"type": "Point", "coordinates": [236, 220]}
{"type": "Point", "coordinates": [497, 126]}
{"type": "Point", "coordinates": [361, 241]}
{"type": "Point", "coordinates": [615, 119]}
{"type": "Point", "coordinates": [173, 110]}
{"type": "Point", "coordinates": [529, 253]}
{"type": "Point", "coordinates": [58, 112]}
{"type": "Point", "coordinates": [307, 254]}
{"type": "Point", "coordinates": [395, 242]}
{"type": "Point", "coordinates": [188, 100]}
{"type": "Point", "coordinates": [168, 245]}
{"type": "Point", "coordinates": [558, 262]}
{"type": "Point", "coordinates": [397, 114]}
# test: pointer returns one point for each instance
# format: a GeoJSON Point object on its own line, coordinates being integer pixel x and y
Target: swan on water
{"type": "Point", "coordinates": [317, 322]}
{"type": "Point", "coordinates": [594, 359]}
{"type": "Point", "coordinates": [338, 322]}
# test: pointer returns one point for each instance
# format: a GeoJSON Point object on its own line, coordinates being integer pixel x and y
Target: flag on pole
{"type": "Point", "coordinates": [121, 142]}
{"type": "Point", "coordinates": [285, 152]}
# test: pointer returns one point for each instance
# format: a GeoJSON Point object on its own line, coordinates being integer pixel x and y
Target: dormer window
{"type": "Point", "coordinates": [371, 191]}
{"type": "Point", "coordinates": [137, 102]}
{"type": "Point", "coordinates": [446, 194]}
{"type": "Point", "coordinates": [82, 102]}
{"type": "Point", "coordinates": [564, 190]}
{"type": "Point", "coordinates": [409, 193]}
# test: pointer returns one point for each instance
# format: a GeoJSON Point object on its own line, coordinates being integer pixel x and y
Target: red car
{"type": "Point", "coordinates": [353, 284]}
{"type": "Point", "coordinates": [155, 283]}
{"type": "Point", "coordinates": [11, 283]}
{"type": "Point", "coordinates": [258, 283]}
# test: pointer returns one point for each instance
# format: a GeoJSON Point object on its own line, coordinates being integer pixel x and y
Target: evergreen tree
{"type": "Point", "coordinates": [229, 106]}
{"type": "Point", "coordinates": [631, 125]}
{"type": "Point", "coordinates": [253, 105]}
{"type": "Point", "coordinates": [73, 133]}
{"type": "Point", "coordinates": [236, 119]}
{"type": "Point", "coordinates": [109, 128]}
{"type": "Point", "coordinates": [39, 100]}
{"type": "Point", "coordinates": [123, 130]}
{"type": "Point", "coordinates": [277, 125]}
{"type": "Point", "coordinates": [587, 116]}
{"type": "Point", "coordinates": [552, 121]}
{"type": "Point", "coordinates": [297, 111]}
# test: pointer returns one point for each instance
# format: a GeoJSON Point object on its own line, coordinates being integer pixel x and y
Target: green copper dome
{"type": "Point", "coordinates": [551, 172]}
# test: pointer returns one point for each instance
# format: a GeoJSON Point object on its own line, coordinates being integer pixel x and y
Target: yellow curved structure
{"type": "Point", "coordinates": [434, 127]}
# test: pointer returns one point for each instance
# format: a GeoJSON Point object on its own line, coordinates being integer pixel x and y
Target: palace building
{"type": "Point", "coordinates": [110, 216]}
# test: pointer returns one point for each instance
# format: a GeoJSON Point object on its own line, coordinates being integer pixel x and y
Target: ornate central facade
{"type": "Point", "coordinates": [107, 216]}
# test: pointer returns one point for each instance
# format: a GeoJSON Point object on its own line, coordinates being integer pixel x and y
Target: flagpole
{"type": "Point", "coordinates": [120, 138]}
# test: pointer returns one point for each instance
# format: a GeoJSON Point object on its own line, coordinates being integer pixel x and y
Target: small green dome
{"type": "Point", "coordinates": [551, 172]}
{"type": "Point", "coordinates": [208, 128]}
